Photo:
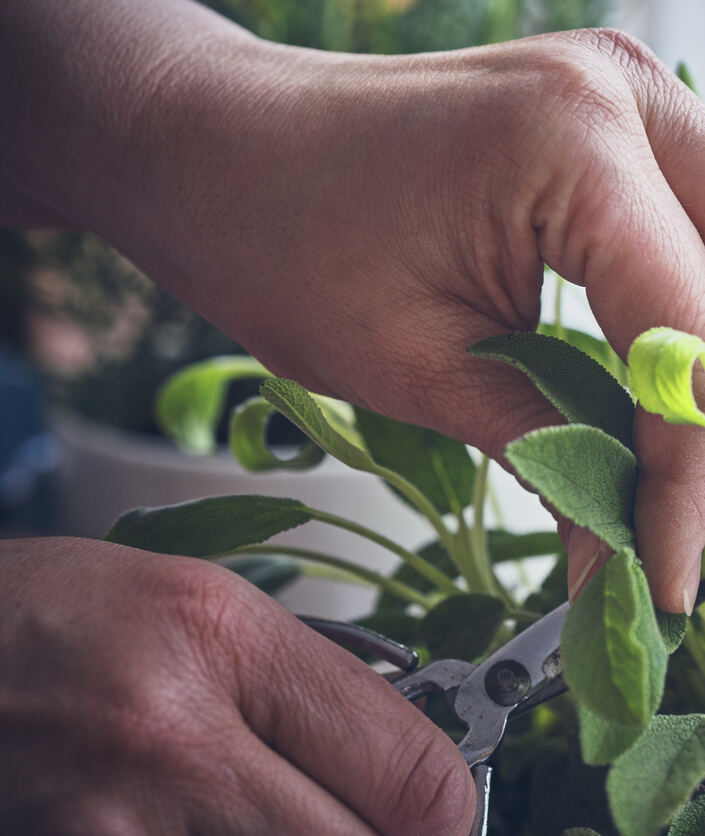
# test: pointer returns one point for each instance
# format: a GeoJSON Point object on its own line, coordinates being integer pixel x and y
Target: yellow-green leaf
{"type": "Point", "coordinates": [660, 371]}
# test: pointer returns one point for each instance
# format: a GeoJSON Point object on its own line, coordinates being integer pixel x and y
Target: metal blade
{"type": "Point", "coordinates": [514, 673]}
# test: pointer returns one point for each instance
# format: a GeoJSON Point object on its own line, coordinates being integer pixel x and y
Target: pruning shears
{"type": "Point", "coordinates": [523, 673]}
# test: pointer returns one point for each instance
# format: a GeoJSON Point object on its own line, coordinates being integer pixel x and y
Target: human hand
{"type": "Point", "coordinates": [145, 694]}
{"type": "Point", "coordinates": [358, 221]}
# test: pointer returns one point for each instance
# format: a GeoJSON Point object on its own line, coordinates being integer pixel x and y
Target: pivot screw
{"type": "Point", "coordinates": [507, 682]}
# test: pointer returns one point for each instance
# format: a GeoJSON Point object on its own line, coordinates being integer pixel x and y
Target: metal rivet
{"type": "Point", "coordinates": [507, 682]}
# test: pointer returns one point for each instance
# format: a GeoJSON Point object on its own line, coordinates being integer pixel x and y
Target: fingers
{"type": "Point", "coordinates": [345, 727]}
{"type": "Point", "coordinates": [254, 790]}
{"type": "Point", "coordinates": [625, 233]}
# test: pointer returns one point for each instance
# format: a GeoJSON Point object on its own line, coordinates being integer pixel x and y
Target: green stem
{"type": "Point", "coordinates": [694, 648]}
{"type": "Point", "coordinates": [424, 505]}
{"type": "Point", "coordinates": [437, 578]}
{"type": "Point", "coordinates": [481, 559]}
{"type": "Point", "coordinates": [401, 590]}
{"type": "Point", "coordinates": [461, 553]}
{"type": "Point", "coordinates": [557, 311]}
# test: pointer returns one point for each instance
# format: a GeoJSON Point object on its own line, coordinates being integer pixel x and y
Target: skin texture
{"type": "Point", "coordinates": [357, 221]}
{"type": "Point", "coordinates": [147, 694]}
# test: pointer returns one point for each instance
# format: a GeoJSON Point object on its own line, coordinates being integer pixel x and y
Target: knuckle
{"type": "Point", "coordinates": [434, 792]}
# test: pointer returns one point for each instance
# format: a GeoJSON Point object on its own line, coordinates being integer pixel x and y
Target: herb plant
{"type": "Point", "coordinates": [600, 759]}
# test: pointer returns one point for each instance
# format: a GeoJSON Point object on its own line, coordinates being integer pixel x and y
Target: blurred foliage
{"type": "Point", "coordinates": [134, 334]}
{"type": "Point", "coordinates": [402, 26]}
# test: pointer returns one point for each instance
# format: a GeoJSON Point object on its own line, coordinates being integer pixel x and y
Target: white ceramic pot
{"type": "Point", "coordinates": [104, 472]}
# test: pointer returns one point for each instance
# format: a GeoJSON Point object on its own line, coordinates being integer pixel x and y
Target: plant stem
{"type": "Point", "coordinates": [424, 505]}
{"type": "Point", "coordinates": [557, 311]}
{"type": "Point", "coordinates": [461, 554]}
{"type": "Point", "coordinates": [401, 590]}
{"type": "Point", "coordinates": [486, 577]}
{"type": "Point", "coordinates": [694, 648]}
{"type": "Point", "coordinates": [428, 570]}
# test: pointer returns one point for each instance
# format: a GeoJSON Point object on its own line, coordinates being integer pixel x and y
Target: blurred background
{"type": "Point", "coordinates": [85, 339]}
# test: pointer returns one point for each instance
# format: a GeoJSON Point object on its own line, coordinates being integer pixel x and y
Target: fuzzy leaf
{"type": "Point", "coordinates": [661, 368]}
{"type": "Point", "coordinates": [436, 464]}
{"type": "Point", "coordinates": [248, 440]}
{"type": "Point", "coordinates": [691, 819]}
{"type": "Point", "coordinates": [208, 527]}
{"type": "Point", "coordinates": [268, 572]}
{"type": "Point", "coordinates": [602, 741]}
{"type": "Point", "coordinates": [581, 389]}
{"type": "Point", "coordinates": [190, 403]}
{"type": "Point", "coordinates": [672, 626]}
{"type": "Point", "coordinates": [587, 475]}
{"type": "Point", "coordinates": [599, 349]}
{"type": "Point", "coordinates": [293, 401]}
{"type": "Point", "coordinates": [650, 782]}
{"type": "Point", "coordinates": [462, 626]}
{"type": "Point", "coordinates": [614, 658]}
{"type": "Point", "coordinates": [503, 545]}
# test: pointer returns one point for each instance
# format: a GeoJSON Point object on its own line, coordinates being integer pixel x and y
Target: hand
{"type": "Point", "coordinates": [144, 694]}
{"type": "Point", "coordinates": [358, 221]}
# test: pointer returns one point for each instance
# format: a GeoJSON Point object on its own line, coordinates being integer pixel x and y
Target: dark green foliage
{"type": "Point", "coordinates": [462, 626]}
{"type": "Point", "coordinates": [440, 467]}
{"type": "Point", "coordinates": [672, 627]}
{"type": "Point", "coordinates": [399, 626]}
{"type": "Point", "coordinates": [208, 527]}
{"type": "Point", "coordinates": [503, 545]}
{"type": "Point", "coordinates": [579, 387]}
{"type": "Point", "coordinates": [271, 573]}
{"type": "Point", "coordinates": [435, 554]}
{"type": "Point", "coordinates": [553, 589]}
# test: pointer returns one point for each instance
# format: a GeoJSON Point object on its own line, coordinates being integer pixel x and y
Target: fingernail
{"type": "Point", "coordinates": [690, 591]}
{"type": "Point", "coordinates": [586, 554]}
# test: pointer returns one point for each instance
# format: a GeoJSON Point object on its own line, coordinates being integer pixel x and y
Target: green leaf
{"type": "Point", "coordinates": [602, 741]}
{"type": "Point", "coordinates": [462, 626]}
{"type": "Point", "coordinates": [268, 572]}
{"type": "Point", "coordinates": [581, 389]}
{"type": "Point", "coordinates": [580, 831]}
{"type": "Point", "coordinates": [395, 625]}
{"type": "Point", "coordinates": [433, 553]}
{"type": "Point", "coordinates": [190, 403]}
{"type": "Point", "coordinates": [684, 74]}
{"type": "Point", "coordinates": [661, 368]}
{"type": "Point", "coordinates": [293, 401]}
{"type": "Point", "coordinates": [652, 780]}
{"type": "Point", "coordinates": [440, 467]}
{"type": "Point", "coordinates": [208, 527]}
{"type": "Point", "coordinates": [248, 440]}
{"type": "Point", "coordinates": [553, 590]}
{"type": "Point", "coordinates": [672, 626]}
{"type": "Point", "coordinates": [614, 658]}
{"type": "Point", "coordinates": [565, 793]}
{"type": "Point", "coordinates": [503, 545]}
{"type": "Point", "coordinates": [585, 474]}
{"type": "Point", "coordinates": [691, 819]}
{"type": "Point", "coordinates": [599, 349]}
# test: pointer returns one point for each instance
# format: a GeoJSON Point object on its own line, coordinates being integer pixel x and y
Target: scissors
{"type": "Point", "coordinates": [523, 673]}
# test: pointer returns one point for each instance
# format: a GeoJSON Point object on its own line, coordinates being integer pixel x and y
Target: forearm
{"type": "Point", "coordinates": [78, 81]}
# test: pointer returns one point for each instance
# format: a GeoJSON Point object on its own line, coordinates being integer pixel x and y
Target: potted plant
{"type": "Point", "coordinates": [624, 751]}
